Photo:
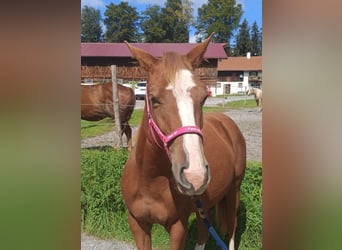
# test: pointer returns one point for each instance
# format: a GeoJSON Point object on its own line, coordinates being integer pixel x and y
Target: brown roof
{"type": "Point", "coordinates": [240, 63]}
{"type": "Point", "coordinates": [215, 50]}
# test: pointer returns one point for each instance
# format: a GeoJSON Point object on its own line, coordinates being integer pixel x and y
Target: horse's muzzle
{"type": "Point", "coordinates": [193, 183]}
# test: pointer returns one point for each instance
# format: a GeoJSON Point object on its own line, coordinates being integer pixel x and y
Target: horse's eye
{"type": "Point", "coordinates": [155, 101]}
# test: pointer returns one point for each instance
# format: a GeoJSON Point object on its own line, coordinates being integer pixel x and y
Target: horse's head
{"type": "Point", "coordinates": [175, 99]}
{"type": "Point", "coordinates": [250, 91]}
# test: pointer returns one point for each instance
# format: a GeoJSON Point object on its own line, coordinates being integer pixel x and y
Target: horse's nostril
{"type": "Point", "coordinates": [207, 174]}
{"type": "Point", "coordinates": [183, 180]}
{"type": "Point", "coordinates": [182, 169]}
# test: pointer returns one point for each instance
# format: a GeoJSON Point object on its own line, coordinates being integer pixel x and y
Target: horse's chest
{"type": "Point", "coordinates": [155, 207]}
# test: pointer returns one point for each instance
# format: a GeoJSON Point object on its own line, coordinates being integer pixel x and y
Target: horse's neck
{"type": "Point", "coordinates": [147, 152]}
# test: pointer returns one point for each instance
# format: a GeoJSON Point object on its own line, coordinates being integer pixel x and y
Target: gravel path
{"type": "Point", "coordinates": [249, 122]}
{"type": "Point", "coordinates": [91, 243]}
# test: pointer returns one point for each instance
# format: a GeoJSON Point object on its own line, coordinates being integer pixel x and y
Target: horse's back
{"type": "Point", "coordinates": [97, 102]}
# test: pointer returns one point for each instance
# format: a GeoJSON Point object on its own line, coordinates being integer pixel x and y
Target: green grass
{"type": "Point", "coordinates": [91, 129]}
{"type": "Point", "coordinates": [242, 104]}
{"type": "Point", "coordinates": [104, 216]}
{"type": "Point", "coordinates": [136, 117]}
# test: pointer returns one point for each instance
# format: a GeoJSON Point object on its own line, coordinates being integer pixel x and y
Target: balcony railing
{"type": "Point", "coordinates": [255, 78]}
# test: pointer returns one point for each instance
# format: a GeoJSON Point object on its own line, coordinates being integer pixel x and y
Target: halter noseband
{"type": "Point", "coordinates": [167, 138]}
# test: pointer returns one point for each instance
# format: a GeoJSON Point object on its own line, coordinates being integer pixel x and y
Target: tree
{"type": "Point", "coordinates": [243, 40]}
{"type": "Point", "coordinates": [219, 16]}
{"type": "Point", "coordinates": [151, 25]}
{"type": "Point", "coordinates": [256, 40]}
{"type": "Point", "coordinates": [168, 24]}
{"type": "Point", "coordinates": [121, 21]}
{"type": "Point", "coordinates": [91, 30]}
{"type": "Point", "coordinates": [176, 18]}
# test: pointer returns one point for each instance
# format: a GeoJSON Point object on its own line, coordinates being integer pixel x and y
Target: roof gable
{"type": "Point", "coordinates": [240, 63]}
{"type": "Point", "coordinates": [214, 50]}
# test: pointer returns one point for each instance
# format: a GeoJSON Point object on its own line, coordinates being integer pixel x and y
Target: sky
{"type": "Point", "coordinates": [252, 8]}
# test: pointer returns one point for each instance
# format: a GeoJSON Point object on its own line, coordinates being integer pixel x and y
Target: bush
{"type": "Point", "coordinates": [101, 198]}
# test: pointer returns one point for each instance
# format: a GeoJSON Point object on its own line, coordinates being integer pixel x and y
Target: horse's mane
{"type": "Point", "coordinates": [173, 62]}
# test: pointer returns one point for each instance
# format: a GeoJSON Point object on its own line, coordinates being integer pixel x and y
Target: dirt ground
{"type": "Point", "coordinates": [249, 122]}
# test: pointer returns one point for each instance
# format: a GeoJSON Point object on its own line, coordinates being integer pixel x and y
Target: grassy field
{"type": "Point", "coordinates": [91, 129]}
{"type": "Point", "coordinates": [104, 214]}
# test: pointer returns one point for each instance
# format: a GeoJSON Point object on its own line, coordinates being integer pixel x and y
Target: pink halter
{"type": "Point", "coordinates": [167, 138]}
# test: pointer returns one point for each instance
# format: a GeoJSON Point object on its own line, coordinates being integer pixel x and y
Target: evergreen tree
{"type": "Point", "coordinates": [175, 20]}
{"type": "Point", "coordinates": [121, 21]}
{"type": "Point", "coordinates": [151, 25]}
{"type": "Point", "coordinates": [255, 40]}
{"type": "Point", "coordinates": [243, 40]}
{"type": "Point", "coordinates": [91, 30]}
{"type": "Point", "coordinates": [219, 16]}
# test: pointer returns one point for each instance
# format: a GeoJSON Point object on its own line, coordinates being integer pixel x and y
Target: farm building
{"type": "Point", "coordinates": [237, 74]}
{"type": "Point", "coordinates": [97, 58]}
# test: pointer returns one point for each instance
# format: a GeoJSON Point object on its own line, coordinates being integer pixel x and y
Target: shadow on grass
{"type": "Point", "coordinates": [105, 148]}
{"type": "Point", "coordinates": [100, 148]}
{"type": "Point", "coordinates": [211, 244]}
{"type": "Point", "coordinates": [88, 126]}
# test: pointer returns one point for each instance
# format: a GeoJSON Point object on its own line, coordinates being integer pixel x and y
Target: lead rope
{"type": "Point", "coordinates": [211, 229]}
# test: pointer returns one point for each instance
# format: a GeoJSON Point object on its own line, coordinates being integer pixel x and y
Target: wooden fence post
{"type": "Point", "coordinates": [116, 104]}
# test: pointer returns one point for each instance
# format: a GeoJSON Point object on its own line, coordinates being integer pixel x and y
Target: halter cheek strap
{"type": "Point", "coordinates": [165, 139]}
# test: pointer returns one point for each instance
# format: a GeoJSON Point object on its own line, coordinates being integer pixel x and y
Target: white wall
{"type": "Point", "coordinates": [234, 86]}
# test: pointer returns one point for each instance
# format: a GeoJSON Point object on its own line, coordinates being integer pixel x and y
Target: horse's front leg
{"type": "Point", "coordinates": [141, 232]}
{"type": "Point", "coordinates": [178, 233]}
{"type": "Point", "coordinates": [202, 231]}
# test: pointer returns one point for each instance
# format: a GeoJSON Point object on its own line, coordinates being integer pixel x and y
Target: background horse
{"type": "Point", "coordinates": [97, 104]}
{"type": "Point", "coordinates": [257, 95]}
{"type": "Point", "coordinates": [200, 157]}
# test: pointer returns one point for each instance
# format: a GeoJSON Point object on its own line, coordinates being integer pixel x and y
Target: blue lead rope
{"type": "Point", "coordinates": [211, 229]}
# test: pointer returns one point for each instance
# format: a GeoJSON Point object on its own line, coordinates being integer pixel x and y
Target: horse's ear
{"type": "Point", "coordinates": [145, 60]}
{"type": "Point", "coordinates": [195, 56]}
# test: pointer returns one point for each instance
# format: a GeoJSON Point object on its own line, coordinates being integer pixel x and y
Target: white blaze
{"type": "Point", "coordinates": [191, 142]}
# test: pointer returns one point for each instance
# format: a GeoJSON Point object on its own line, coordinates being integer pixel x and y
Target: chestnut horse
{"type": "Point", "coordinates": [257, 95]}
{"type": "Point", "coordinates": [202, 155]}
{"type": "Point", "coordinates": [97, 104]}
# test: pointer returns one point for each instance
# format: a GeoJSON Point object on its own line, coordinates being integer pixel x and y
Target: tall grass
{"type": "Point", "coordinates": [104, 214]}
{"type": "Point", "coordinates": [101, 200]}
